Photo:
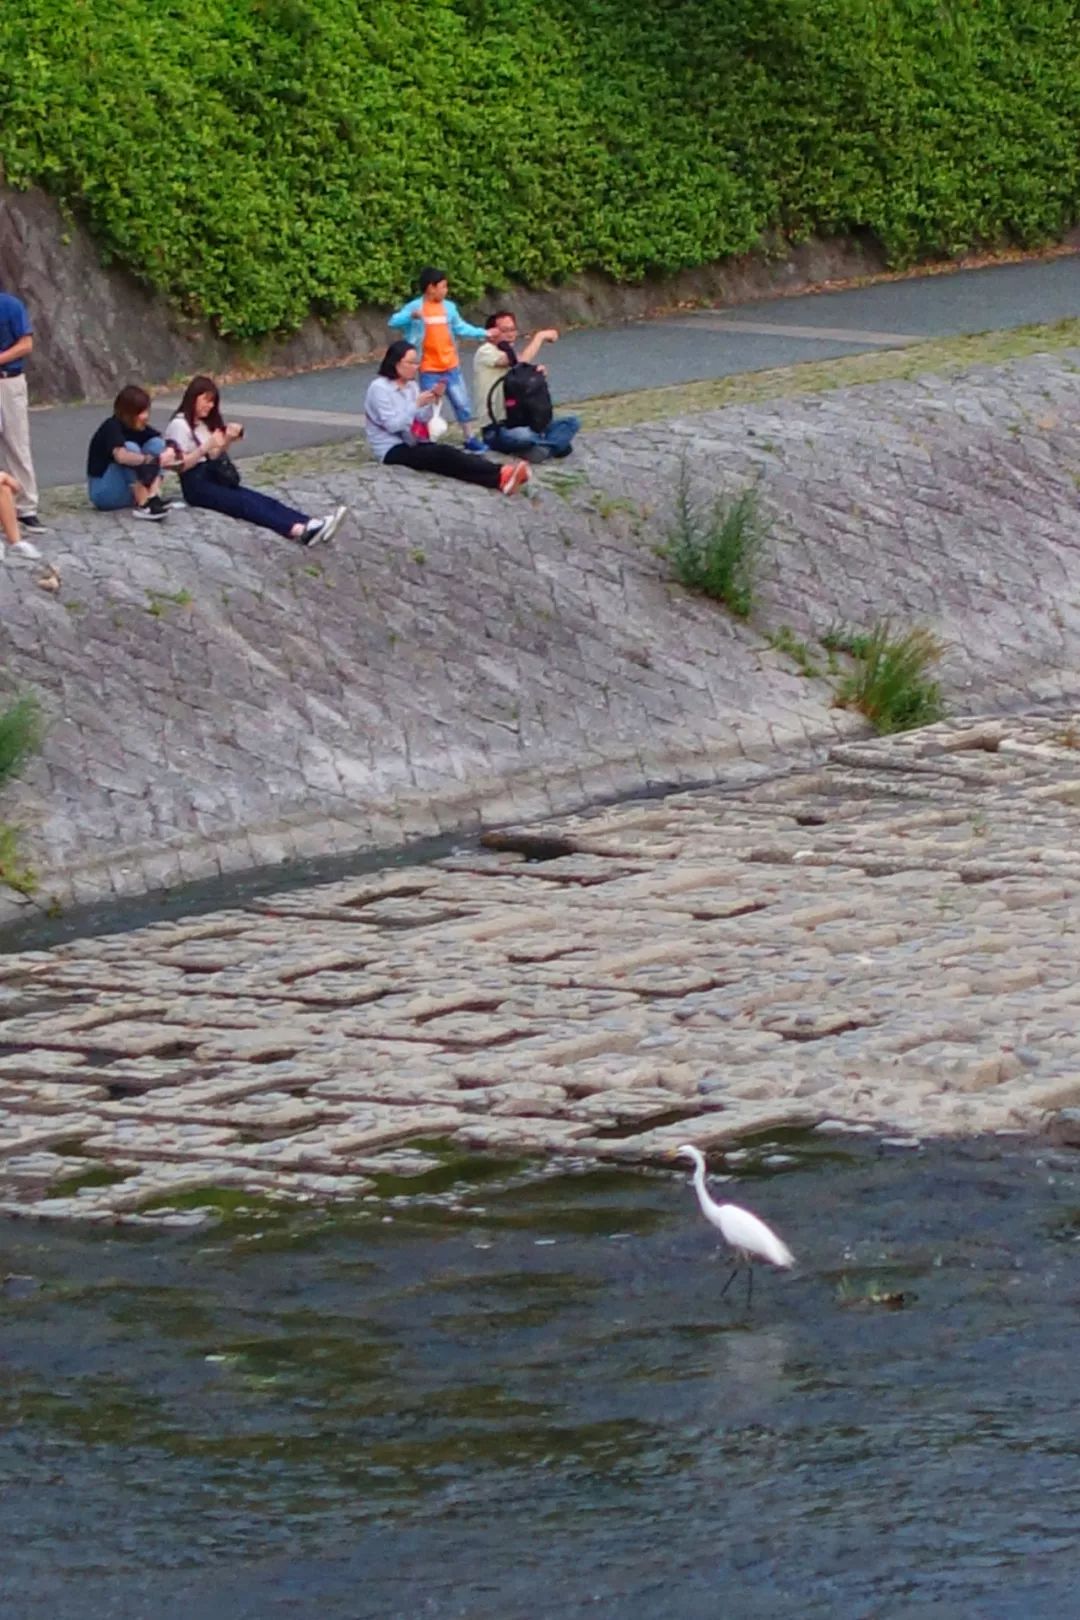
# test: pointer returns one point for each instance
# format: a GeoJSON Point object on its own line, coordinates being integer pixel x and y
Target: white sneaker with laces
{"type": "Point", "coordinates": [25, 548]}
{"type": "Point", "coordinates": [334, 522]}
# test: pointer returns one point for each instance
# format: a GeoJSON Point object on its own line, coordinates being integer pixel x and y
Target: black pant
{"type": "Point", "coordinates": [447, 460]}
{"type": "Point", "coordinates": [201, 489]}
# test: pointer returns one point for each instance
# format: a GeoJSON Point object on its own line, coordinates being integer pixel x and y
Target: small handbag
{"type": "Point", "coordinates": [223, 470]}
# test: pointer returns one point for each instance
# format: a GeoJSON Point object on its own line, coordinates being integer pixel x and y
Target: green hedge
{"type": "Point", "coordinates": [258, 158]}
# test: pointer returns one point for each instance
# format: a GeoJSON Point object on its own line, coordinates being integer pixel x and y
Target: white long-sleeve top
{"type": "Point", "coordinates": [390, 409]}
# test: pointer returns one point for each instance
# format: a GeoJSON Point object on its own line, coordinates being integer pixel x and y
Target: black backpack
{"type": "Point", "coordinates": [526, 398]}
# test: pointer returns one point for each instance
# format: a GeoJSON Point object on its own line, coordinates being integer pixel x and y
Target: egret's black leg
{"type": "Point", "coordinates": [749, 1286]}
{"type": "Point", "coordinates": [729, 1282]}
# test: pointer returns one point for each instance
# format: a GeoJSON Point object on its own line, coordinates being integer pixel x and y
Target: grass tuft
{"type": "Point", "coordinates": [20, 734]}
{"type": "Point", "coordinates": [15, 871]}
{"type": "Point", "coordinates": [786, 641]}
{"type": "Point", "coordinates": [716, 551]}
{"type": "Point", "coordinates": [889, 682]}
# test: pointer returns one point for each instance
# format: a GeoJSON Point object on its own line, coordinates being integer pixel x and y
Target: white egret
{"type": "Point", "coordinates": [748, 1237]}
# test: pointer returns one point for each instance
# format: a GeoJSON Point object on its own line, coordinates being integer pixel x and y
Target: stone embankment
{"type": "Point", "coordinates": [886, 940]}
{"type": "Point", "coordinates": [218, 699]}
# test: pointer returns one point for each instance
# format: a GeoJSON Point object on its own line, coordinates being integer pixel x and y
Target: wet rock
{"type": "Point", "coordinates": [14, 1286]}
{"type": "Point", "coordinates": [1064, 1127]}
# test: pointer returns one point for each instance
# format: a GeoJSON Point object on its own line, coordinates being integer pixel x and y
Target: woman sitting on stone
{"type": "Point", "coordinates": [202, 437]}
{"type": "Point", "coordinates": [393, 409]}
{"type": "Point", "coordinates": [126, 458]}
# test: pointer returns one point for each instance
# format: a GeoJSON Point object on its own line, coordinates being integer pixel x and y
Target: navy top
{"type": "Point", "coordinates": [14, 324]}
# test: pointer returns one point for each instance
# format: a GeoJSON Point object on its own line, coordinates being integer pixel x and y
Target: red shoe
{"type": "Point", "coordinates": [513, 477]}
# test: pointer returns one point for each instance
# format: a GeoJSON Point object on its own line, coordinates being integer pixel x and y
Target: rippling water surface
{"type": "Point", "coordinates": [525, 1398]}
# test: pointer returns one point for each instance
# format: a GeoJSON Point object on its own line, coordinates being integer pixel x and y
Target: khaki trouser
{"type": "Point", "coordinates": [15, 442]}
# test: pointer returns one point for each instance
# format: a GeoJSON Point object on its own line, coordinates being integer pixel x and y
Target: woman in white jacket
{"type": "Point", "coordinates": [395, 407]}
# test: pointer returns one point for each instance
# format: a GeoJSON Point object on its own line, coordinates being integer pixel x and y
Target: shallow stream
{"type": "Point", "coordinates": [524, 1398]}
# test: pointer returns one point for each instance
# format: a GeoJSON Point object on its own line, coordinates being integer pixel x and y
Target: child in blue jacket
{"type": "Point", "coordinates": [431, 323]}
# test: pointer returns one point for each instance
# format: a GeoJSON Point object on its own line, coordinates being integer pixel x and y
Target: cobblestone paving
{"type": "Point", "coordinates": [888, 940]}
{"type": "Point", "coordinates": [219, 700]}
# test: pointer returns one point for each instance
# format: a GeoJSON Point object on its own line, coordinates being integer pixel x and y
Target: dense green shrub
{"type": "Point", "coordinates": [258, 158]}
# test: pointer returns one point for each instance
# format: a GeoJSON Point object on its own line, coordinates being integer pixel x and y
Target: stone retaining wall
{"type": "Point", "coordinates": [219, 699]}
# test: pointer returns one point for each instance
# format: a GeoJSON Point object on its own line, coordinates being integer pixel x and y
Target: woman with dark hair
{"type": "Point", "coordinates": [201, 436]}
{"type": "Point", "coordinates": [126, 458]}
{"type": "Point", "coordinates": [394, 407]}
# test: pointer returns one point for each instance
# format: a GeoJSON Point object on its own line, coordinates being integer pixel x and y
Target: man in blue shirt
{"type": "Point", "coordinates": [16, 342]}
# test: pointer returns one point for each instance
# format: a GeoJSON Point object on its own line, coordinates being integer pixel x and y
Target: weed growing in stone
{"type": "Point", "coordinates": [15, 870]}
{"type": "Point", "coordinates": [160, 600]}
{"type": "Point", "coordinates": [889, 682]}
{"type": "Point", "coordinates": [606, 506]}
{"type": "Point", "coordinates": [564, 483]}
{"type": "Point", "coordinates": [20, 734]}
{"type": "Point", "coordinates": [785, 640]}
{"type": "Point", "coordinates": [716, 551]}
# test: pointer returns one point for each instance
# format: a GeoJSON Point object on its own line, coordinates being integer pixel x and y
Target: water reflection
{"type": "Point", "coordinates": [537, 1404]}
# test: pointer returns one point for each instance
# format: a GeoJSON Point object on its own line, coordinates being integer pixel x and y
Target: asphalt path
{"type": "Point", "coordinates": [322, 407]}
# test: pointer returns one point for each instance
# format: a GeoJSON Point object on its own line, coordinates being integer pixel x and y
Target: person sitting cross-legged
{"type": "Point", "coordinates": [126, 458]}
{"type": "Point", "coordinates": [396, 414]}
{"type": "Point", "coordinates": [491, 366]}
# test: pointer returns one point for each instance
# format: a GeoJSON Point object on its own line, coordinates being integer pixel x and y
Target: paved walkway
{"type": "Point", "coordinates": [288, 413]}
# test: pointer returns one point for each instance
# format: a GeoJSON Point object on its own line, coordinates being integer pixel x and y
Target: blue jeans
{"type": "Point", "coordinates": [457, 392]}
{"type": "Point", "coordinates": [556, 438]}
{"type": "Point", "coordinates": [113, 490]}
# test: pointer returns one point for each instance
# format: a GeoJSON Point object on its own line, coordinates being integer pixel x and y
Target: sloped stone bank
{"type": "Point", "coordinates": [218, 699]}
{"type": "Point", "coordinates": [884, 941]}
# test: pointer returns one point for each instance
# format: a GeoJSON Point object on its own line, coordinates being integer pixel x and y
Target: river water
{"type": "Point", "coordinates": [520, 1396]}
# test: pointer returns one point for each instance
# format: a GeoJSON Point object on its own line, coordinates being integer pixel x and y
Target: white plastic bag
{"type": "Point", "coordinates": [437, 426]}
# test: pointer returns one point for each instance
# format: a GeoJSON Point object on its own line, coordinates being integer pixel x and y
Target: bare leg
{"type": "Point", "coordinates": [141, 493]}
{"type": "Point", "coordinates": [9, 519]}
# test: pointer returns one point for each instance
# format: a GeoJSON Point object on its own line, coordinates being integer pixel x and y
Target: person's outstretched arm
{"type": "Point", "coordinates": [405, 315]}
{"type": "Point", "coordinates": [462, 328]}
{"type": "Point", "coordinates": [536, 343]}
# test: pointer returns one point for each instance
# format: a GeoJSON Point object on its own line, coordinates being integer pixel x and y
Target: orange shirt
{"type": "Point", "coordinates": [439, 352]}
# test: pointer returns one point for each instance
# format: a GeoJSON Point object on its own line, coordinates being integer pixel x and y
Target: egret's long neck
{"type": "Point", "coordinates": [699, 1184]}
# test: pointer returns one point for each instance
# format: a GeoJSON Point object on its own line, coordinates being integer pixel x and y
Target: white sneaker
{"type": "Point", "coordinates": [320, 530]}
{"type": "Point", "coordinates": [334, 522]}
{"type": "Point", "coordinates": [25, 548]}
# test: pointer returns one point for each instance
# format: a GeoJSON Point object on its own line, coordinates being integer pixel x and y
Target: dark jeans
{"type": "Point", "coordinates": [444, 459]}
{"type": "Point", "coordinates": [200, 489]}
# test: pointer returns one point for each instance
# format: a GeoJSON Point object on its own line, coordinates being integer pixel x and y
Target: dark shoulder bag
{"type": "Point", "coordinates": [223, 470]}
